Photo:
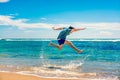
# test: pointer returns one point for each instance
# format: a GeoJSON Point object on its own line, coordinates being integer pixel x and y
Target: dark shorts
{"type": "Point", "coordinates": [61, 41]}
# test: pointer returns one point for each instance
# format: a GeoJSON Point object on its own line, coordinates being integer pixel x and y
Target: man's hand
{"type": "Point", "coordinates": [56, 28]}
{"type": "Point", "coordinates": [53, 28]}
{"type": "Point", "coordinates": [82, 28]}
{"type": "Point", "coordinates": [77, 29]}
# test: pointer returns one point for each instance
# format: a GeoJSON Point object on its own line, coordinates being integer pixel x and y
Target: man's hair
{"type": "Point", "coordinates": [71, 27]}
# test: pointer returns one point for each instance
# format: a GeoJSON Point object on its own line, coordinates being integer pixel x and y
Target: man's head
{"type": "Point", "coordinates": [70, 27]}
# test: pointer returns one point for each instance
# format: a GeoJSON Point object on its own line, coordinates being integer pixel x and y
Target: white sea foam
{"type": "Point", "coordinates": [26, 39]}
{"type": "Point", "coordinates": [45, 39]}
{"type": "Point", "coordinates": [73, 65]}
{"type": "Point", "coordinates": [60, 73]}
{"type": "Point", "coordinates": [42, 72]}
{"type": "Point", "coordinates": [98, 40]}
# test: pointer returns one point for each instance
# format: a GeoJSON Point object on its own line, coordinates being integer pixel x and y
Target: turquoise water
{"type": "Point", "coordinates": [100, 59]}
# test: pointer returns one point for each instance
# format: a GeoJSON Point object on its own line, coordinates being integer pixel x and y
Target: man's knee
{"type": "Point", "coordinates": [69, 42]}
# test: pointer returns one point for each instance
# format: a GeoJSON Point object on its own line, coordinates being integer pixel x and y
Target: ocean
{"type": "Point", "coordinates": [100, 59]}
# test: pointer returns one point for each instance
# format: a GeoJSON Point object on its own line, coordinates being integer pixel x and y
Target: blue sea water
{"type": "Point", "coordinates": [99, 60]}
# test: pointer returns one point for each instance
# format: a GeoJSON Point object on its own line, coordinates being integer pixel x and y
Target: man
{"type": "Point", "coordinates": [62, 37]}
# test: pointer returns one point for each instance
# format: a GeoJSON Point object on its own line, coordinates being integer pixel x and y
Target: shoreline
{"type": "Point", "coordinates": [18, 76]}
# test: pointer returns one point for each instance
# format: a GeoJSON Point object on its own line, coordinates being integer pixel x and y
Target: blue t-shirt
{"type": "Point", "coordinates": [63, 34]}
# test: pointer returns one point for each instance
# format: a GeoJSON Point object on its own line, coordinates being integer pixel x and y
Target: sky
{"type": "Point", "coordinates": [35, 18]}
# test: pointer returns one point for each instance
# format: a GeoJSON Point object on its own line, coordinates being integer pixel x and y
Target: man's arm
{"type": "Point", "coordinates": [77, 29]}
{"type": "Point", "coordinates": [57, 28]}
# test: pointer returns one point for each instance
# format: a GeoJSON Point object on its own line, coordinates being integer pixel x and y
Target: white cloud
{"type": "Point", "coordinates": [3, 1]}
{"type": "Point", "coordinates": [105, 33]}
{"type": "Point", "coordinates": [99, 26]}
{"type": "Point", "coordinates": [15, 14]}
{"type": "Point", "coordinates": [43, 18]}
{"type": "Point", "coordinates": [22, 24]}
{"type": "Point", "coordinates": [28, 31]}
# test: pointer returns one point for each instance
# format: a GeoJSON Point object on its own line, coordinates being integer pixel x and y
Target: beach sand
{"type": "Point", "coordinates": [15, 76]}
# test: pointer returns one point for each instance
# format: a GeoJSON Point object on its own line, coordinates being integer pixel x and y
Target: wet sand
{"type": "Point", "coordinates": [15, 76]}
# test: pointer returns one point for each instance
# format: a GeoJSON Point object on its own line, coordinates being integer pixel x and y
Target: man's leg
{"type": "Point", "coordinates": [55, 45]}
{"type": "Point", "coordinates": [72, 46]}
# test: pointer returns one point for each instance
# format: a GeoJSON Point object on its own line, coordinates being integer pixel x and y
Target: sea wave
{"type": "Point", "coordinates": [60, 74]}
{"type": "Point", "coordinates": [52, 39]}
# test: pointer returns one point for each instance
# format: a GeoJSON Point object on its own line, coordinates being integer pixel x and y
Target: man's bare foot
{"type": "Point", "coordinates": [50, 44]}
{"type": "Point", "coordinates": [80, 51]}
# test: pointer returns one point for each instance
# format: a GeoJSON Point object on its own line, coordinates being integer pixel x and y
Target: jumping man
{"type": "Point", "coordinates": [62, 37]}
